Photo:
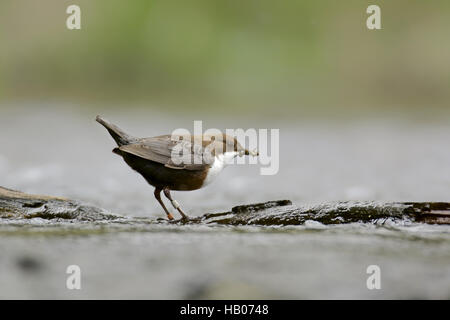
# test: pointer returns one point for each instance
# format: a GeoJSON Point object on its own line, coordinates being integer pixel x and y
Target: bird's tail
{"type": "Point", "coordinates": [118, 135]}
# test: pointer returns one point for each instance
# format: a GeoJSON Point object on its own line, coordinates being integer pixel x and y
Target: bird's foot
{"type": "Point", "coordinates": [170, 217]}
{"type": "Point", "coordinates": [182, 220]}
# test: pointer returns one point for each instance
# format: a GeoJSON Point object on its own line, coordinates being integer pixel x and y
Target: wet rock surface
{"type": "Point", "coordinates": [284, 213]}
{"type": "Point", "coordinates": [17, 205]}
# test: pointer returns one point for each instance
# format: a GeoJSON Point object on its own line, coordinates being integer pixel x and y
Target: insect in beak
{"type": "Point", "coordinates": [251, 153]}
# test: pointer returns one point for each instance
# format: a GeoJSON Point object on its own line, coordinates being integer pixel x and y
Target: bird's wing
{"type": "Point", "coordinates": [170, 152]}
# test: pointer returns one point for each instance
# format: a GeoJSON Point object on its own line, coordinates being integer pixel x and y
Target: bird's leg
{"type": "Point", "coordinates": [174, 203]}
{"type": "Point", "coordinates": [158, 197]}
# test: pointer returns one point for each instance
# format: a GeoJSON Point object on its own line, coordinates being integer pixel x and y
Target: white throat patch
{"type": "Point", "coordinates": [220, 162]}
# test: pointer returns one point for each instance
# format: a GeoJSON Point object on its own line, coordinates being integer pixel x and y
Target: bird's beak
{"type": "Point", "coordinates": [251, 153]}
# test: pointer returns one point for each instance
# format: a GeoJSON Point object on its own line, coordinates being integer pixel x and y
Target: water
{"type": "Point", "coordinates": [63, 152]}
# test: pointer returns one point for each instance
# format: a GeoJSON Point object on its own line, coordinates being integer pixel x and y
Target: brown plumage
{"type": "Point", "coordinates": [175, 162]}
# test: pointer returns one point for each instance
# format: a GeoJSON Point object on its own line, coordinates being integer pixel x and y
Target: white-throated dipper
{"type": "Point", "coordinates": [176, 162]}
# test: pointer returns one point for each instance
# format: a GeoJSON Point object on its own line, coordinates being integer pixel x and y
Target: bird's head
{"type": "Point", "coordinates": [228, 147]}
{"type": "Point", "coordinates": [233, 145]}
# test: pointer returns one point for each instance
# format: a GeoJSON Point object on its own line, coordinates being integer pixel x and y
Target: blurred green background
{"type": "Point", "coordinates": [285, 58]}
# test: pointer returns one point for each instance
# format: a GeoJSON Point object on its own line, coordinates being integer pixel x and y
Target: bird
{"type": "Point", "coordinates": [174, 162]}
